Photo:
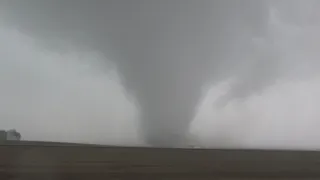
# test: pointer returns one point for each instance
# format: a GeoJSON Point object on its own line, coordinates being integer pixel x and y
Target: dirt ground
{"type": "Point", "coordinates": [54, 161]}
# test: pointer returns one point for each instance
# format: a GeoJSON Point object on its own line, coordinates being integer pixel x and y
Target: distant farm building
{"type": "Point", "coordinates": [10, 135]}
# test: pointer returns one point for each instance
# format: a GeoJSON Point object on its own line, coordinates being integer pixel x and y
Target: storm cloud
{"type": "Point", "coordinates": [167, 52]}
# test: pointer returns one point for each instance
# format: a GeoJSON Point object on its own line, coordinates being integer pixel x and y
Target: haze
{"type": "Point", "coordinates": [77, 83]}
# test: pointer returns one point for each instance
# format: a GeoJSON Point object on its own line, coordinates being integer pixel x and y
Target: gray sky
{"type": "Point", "coordinates": [55, 96]}
{"type": "Point", "coordinates": [165, 51]}
{"type": "Point", "coordinates": [60, 97]}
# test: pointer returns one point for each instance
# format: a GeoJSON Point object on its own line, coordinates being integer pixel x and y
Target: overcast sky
{"type": "Point", "coordinates": [63, 96]}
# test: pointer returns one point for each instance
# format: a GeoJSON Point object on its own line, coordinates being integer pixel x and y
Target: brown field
{"type": "Point", "coordinates": [59, 161]}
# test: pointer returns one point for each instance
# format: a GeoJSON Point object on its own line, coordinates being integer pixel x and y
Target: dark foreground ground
{"type": "Point", "coordinates": [58, 161]}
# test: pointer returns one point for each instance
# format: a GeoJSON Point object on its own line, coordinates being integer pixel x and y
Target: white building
{"type": "Point", "coordinates": [11, 135]}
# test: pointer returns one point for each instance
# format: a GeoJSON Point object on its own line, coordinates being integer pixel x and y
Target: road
{"type": "Point", "coordinates": [58, 161]}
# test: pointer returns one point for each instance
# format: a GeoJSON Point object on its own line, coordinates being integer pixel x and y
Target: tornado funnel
{"type": "Point", "coordinates": [165, 50]}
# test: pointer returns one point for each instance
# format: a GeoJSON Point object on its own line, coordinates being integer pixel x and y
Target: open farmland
{"type": "Point", "coordinates": [60, 161]}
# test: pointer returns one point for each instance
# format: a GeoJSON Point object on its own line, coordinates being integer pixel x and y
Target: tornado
{"type": "Point", "coordinates": [165, 50]}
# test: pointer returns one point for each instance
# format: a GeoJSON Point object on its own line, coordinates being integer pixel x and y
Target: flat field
{"type": "Point", "coordinates": [62, 161]}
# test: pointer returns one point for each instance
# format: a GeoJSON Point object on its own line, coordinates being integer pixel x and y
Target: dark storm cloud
{"type": "Point", "coordinates": [166, 50]}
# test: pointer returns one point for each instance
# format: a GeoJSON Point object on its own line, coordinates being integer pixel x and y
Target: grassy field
{"type": "Point", "coordinates": [59, 161]}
